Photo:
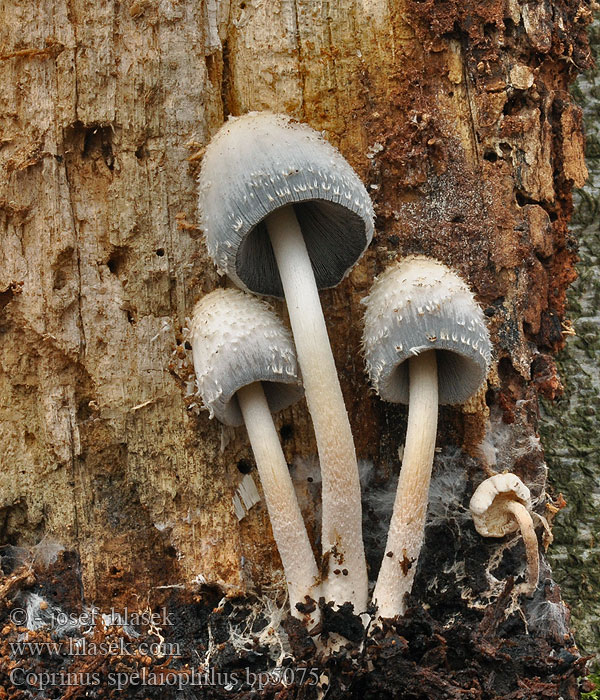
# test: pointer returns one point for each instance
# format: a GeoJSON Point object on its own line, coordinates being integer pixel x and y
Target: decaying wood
{"type": "Point", "coordinates": [457, 117]}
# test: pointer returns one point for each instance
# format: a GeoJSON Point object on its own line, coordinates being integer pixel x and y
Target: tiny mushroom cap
{"type": "Point", "coordinates": [237, 340]}
{"type": "Point", "coordinates": [260, 162]}
{"type": "Point", "coordinates": [416, 305]}
{"type": "Point", "coordinates": [488, 504]}
{"type": "Point", "coordinates": [501, 505]}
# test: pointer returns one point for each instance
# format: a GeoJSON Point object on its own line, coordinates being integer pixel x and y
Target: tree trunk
{"type": "Point", "coordinates": [457, 118]}
{"type": "Point", "coordinates": [572, 452]}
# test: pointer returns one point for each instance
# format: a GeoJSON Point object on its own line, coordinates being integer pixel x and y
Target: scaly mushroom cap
{"type": "Point", "coordinates": [260, 162]}
{"type": "Point", "coordinates": [237, 340]}
{"type": "Point", "coordinates": [488, 504]}
{"type": "Point", "coordinates": [416, 305]}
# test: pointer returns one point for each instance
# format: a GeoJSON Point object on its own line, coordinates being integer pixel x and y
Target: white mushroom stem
{"type": "Point", "coordinates": [288, 526]}
{"type": "Point", "coordinates": [405, 535]}
{"type": "Point", "coordinates": [523, 518]}
{"type": "Point", "coordinates": [342, 521]}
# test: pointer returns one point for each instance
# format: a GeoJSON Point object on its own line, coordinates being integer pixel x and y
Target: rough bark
{"type": "Point", "coordinates": [457, 117]}
{"type": "Point", "coordinates": [570, 426]}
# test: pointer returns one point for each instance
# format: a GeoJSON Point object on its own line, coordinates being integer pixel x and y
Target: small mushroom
{"type": "Point", "coordinates": [246, 368]}
{"type": "Point", "coordinates": [285, 215]}
{"type": "Point", "coordinates": [425, 343]}
{"type": "Point", "coordinates": [502, 505]}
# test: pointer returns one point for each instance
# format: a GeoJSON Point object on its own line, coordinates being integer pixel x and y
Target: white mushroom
{"type": "Point", "coordinates": [425, 343]}
{"type": "Point", "coordinates": [285, 215]}
{"type": "Point", "coordinates": [246, 368]}
{"type": "Point", "coordinates": [502, 505]}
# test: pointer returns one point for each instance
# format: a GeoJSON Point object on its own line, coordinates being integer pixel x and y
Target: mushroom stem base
{"type": "Point", "coordinates": [342, 520]}
{"type": "Point", "coordinates": [405, 535]}
{"type": "Point", "coordinates": [288, 526]}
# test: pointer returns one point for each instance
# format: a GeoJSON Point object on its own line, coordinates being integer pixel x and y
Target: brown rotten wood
{"type": "Point", "coordinates": [455, 114]}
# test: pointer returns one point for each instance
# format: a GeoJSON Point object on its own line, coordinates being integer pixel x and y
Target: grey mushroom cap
{"type": "Point", "coordinates": [416, 305]}
{"type": "Point", "coordinates": [237, 340]}
{"type": "Point", "coordinates": [260, 162]}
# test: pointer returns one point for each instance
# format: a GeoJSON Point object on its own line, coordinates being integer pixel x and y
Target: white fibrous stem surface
{"type": "Point", "coordinates": [342, 521]}
{"type": "Point", "coordinates": [406, 531]}
{"type": "Point", "coordinates": [288, 526]}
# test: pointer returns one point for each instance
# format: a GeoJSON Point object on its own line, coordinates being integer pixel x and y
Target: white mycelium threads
{"type": "Point", "coordinates": [285, 215]}
{"type": "Point", "coordinates": [246, 367]}
{"type": "Point", "coordinates": [425, 342]}
{"type": "Point", "coordinates": [502, 505]}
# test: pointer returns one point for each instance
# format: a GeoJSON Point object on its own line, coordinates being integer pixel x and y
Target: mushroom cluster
{"type": "Point", "coordinates": [285, 215]}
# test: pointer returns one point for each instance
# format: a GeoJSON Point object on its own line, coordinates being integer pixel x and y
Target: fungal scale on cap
{"type": "Point", "coordinates": [260, 162]}
{"type": "Point", "coordinates": [237, 340]}
{"type": "Point", "coordinates": [490, 516]}
{"type": "Point", "coordinates": [416, 305]}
